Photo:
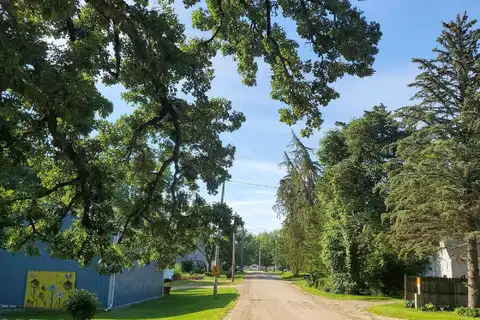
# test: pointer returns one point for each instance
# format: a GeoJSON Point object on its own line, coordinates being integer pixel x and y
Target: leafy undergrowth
{"type": "Point", "coordinates": [191, 304]}
{"type": "Point", "coordinates": [300, 282]}
{"type": "Point", "coordinates": [398, 310]}
{"type": "Point", "coordinates": [289, 276]}
{"type": "Point", "coordinates": [208, 281]}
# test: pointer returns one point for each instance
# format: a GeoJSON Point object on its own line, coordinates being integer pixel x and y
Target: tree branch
{"type": "Point", "coordinates": [61, 142]}
{"type": "Point", "coordinates": [220, 25]}
{"type": "Point", "coordinates": [176, 152]}
{"type": "Point", "coordinates": [270, 38]}
{"type": "Point", "coordinates": [46, 192]}
{"type": "Point", "coordinates": [166, 109]}
{"type": "Point", "coordinates": [152, 122]}
{"type": "Point", "coordinates": [117, 48]}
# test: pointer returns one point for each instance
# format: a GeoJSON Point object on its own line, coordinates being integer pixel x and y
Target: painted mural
{"type": "Point", "coordinates": [48, 289]}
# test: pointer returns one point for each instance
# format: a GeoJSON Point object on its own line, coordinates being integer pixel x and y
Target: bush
{"type": "Point", "coordinates": [82, 305]}
{"type": "Point", "coordinates": [410, 304]}
{"type": "Point", "coordinates": [429, 307]}
{"type": "Point", "coordinates": [445, 307]}
{"type": "Point", "coordinates": [469, 312]}
{"type": "Point", "coordinates": [208, 274]}
{"type": "Point", "coordinates": [187, 266]}
{"type": "Point", "coordinates": [177, 272]}
{"type": "Point", "coordinates": [198, 270]}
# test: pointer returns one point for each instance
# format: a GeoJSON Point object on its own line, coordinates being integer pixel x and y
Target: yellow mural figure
{"type": "Point", "coordinates": [48, 289]}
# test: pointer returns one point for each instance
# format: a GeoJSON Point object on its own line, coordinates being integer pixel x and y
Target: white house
{"type": "Point", "coordinates": [197, 257]}
{"type": "Point", "coordinates": [450, 260]}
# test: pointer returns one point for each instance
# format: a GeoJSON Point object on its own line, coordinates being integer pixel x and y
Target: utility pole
{"type": "Point", "coordinates": [233, 258]}
{"type": "Point", "coordinates": [217, 248]}
{"type": "Point", "coordinates": [260, 257]}
{"type": "Point", "coordinates": [241, 248]}
{"type": "Point", "coordinates": [275, 253]}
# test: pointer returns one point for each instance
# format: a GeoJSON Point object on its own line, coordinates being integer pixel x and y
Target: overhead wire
{"type": "Point", "coordinates": [252, 184]}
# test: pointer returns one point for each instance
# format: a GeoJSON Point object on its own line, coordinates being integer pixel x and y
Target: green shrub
{"type": "Point", "coordinates": [429, 307]}
{"type": "Point", "coordinates": [208, 274]}
{"type": "Point", "coordinates": [410, 304]}
{"type": "Point", "coordinates": [198, 270]}
{"type": "Point", "coordinates": [82, 305]}
{"type": "Point", "coordinates": [445, 307]}
{"type": "Point", "coordinates": [187, 266]}
{"type": "Point", "coordinates": [177, 271]}
{"type": "Point", "coordinates": [469, 312]}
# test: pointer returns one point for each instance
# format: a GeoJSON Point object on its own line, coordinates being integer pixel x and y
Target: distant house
{"type": "Point", "coordinates": [130, 286]}
{"type": "Point", "coordinates": [196, 256]}
{"type": "Point", "coordinates": [449, 261]}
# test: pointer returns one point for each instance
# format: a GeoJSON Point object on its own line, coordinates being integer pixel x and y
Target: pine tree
{"type": "Point", "coordinates": [434, 182]}
{"type": "Point", "coordinates": [296, 201]}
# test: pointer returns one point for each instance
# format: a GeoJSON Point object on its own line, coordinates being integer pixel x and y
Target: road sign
{"type": "Point", "coordinates": [215, 271]}
{"type": "Point", "coordinates": [418, 285]}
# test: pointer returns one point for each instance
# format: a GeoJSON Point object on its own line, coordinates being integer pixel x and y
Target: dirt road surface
{"type": "Point", "coordinates": [265, 296]}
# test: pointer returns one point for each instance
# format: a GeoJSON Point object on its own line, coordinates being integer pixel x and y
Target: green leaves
{"type": "Point", "coordinates": [434, 180]}
{"type": "Point", "coordinates": [134, 179]}
{"type": "Point", "coordinates": [341, 39]}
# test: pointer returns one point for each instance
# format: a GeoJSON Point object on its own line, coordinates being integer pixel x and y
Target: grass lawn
{"type": "Point", "coordinates": [191, 304]}
{"type": "Point", "coordinates": [300, 282]}
{"type": "Point", "coordinates": [208, 281]}
{"type": "Point", "coordinates": [398, 310]}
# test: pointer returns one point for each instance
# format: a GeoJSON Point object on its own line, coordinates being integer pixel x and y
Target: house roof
{"type": "Point", "coordinates": [456, 248]}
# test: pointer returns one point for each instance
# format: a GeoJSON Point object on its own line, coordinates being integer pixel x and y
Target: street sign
{"type": "Point", "coordinates": [418, 285]}
{"type": "Point", "coordinates": [215, 271]}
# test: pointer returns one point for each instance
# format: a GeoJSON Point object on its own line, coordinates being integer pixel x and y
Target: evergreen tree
{"type": "Point", "coordinates": [434, 189]}
{"type": "Point", "coordinates": [296, 202]}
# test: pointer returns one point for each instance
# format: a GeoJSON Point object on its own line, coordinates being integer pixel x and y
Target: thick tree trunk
{"type": "Point", "coordinates": [473, 273]}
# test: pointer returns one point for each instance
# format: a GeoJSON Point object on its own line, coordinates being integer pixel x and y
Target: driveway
{"type": "Point", "coordinates": [266, 296]}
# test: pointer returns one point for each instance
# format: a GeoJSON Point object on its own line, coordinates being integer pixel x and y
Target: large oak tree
{"type": "Point", "coordinates": [137, 177]}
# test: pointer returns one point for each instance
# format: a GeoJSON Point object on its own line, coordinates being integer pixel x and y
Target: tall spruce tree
{"type": "Point", "coordinates": [296, 202]}
{"type": "Point", "coordinates": [434, 183]}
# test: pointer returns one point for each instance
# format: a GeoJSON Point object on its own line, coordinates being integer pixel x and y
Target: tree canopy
{"type": "Point", "coordinates": [434, 180]}
{"type": "Point", "coordinates": [391, 186]}
{"type": "Point", "coordinates": [341, 39]}
{"type": "Point", "coordinates": [136, 177]}
{"type": "Point", "coordinates": [216, 227]}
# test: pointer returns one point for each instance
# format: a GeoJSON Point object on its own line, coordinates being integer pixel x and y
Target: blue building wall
{"type": "Point", "coordinates": [137, 284]}
{"type": "Point", "coordinates": [14, 269]}
{"type": "Point", "coordinates": [130, 286]}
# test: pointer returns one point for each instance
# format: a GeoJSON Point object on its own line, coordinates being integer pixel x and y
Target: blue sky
{"type": "Point", "coordinates": [409, 28]}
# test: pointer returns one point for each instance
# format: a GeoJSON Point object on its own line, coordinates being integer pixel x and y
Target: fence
{"type": "Point", "coordinates": [439, 291]}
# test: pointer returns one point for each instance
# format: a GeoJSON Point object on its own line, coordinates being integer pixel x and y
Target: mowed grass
{"type": "Point", "coordinates": [189, 304]}
{"type": "Point", "coordinates": [299, 281]}
{"type": "Point", "coordinates": [208, 281]}
{"type": "Point", "coordinates": [398, 310]}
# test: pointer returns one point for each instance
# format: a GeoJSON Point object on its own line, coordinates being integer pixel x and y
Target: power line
{"type": "Point", "coordinates": [252, 184]}
{"type": "Point", "coordinates": [252, 225]}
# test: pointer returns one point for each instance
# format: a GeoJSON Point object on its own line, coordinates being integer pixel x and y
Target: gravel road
{"type": "Point", "coordinates": [265, 296]}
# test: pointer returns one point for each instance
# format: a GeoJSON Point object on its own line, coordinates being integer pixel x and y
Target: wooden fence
{"type": "Point", "coordinates": [439, 291]}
